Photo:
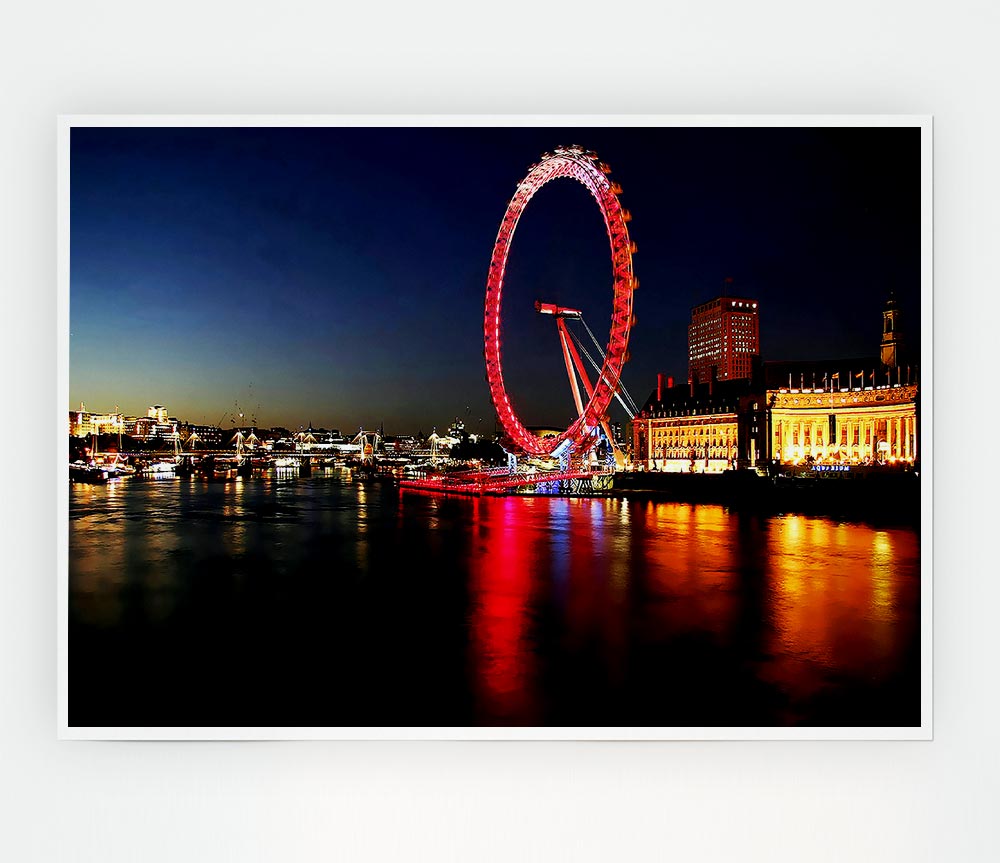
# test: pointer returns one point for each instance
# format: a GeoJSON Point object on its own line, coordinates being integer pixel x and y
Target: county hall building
{"type": "Point", "coordinates": [832, 412]}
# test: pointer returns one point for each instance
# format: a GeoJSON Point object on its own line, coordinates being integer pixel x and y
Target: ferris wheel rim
{"type": "Point", "coordinates": [584, 167]}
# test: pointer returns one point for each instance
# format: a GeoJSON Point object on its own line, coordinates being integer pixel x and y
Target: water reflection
{"type": "Point", "coordinates": [395, 608]}
{"type": "Point", "coordinates": [845, 603]}
{"type": "Point", "coordinates": [97, 565]}
{"type": "Point", "coordinates": [689, 553]}
{"type": "Point", "coordinates": [502, 654]}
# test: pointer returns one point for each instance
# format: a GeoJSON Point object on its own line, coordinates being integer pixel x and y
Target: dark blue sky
{"type": "Point", "coordinates": [338, 275]}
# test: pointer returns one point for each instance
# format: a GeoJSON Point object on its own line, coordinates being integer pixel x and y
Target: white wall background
{"type": "Point", "coordinates": [506, 801]}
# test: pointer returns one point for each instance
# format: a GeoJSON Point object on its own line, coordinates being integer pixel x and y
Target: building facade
{"type": "Point", "coordinates": [858, 411]}
{"type": "Point", "coordinates": [149, 427]}
{"type": "Point", "coordinates": [83, 423]}
{"type": "Point", "coordinates": [708, 429]}
{"type": "Point", "coordinates": [844, 426]}
{"type": "Point", "coordinates": [724, 333]}
{"type": "Point", "coordinates": [698, 428]}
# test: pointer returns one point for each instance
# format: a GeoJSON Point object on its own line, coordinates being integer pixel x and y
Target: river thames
{"type": "Point", "coordinates": [322, 601]}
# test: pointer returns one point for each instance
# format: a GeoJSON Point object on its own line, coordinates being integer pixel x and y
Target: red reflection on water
{"type": "Point", "coordinates": [502, 656]}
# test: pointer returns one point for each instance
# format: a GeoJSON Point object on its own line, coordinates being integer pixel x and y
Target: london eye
{"type": "Point", "coordinates": [583, 166]}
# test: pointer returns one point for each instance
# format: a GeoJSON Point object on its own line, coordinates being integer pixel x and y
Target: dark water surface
{"type": "Point", "coordinates": [324, 602]}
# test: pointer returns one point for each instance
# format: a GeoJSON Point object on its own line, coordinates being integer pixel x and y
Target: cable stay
{"type": "Point", "coordinates": [631, 407]}
{"type": "Point", "coordinates": [621, 393]}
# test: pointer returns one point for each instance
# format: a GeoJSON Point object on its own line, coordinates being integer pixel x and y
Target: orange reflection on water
{"type": "Point", "coordinates": [842, 600]}
{"type": "Point", "coordinates": [111, 546]}
{"type": "Point", "coordinates": [98, 565]}
{"type": "Point", "coordinates": [691, 553]}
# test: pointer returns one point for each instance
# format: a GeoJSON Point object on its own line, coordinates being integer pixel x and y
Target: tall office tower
{"type": "Point", "coordinates": [724, 333]}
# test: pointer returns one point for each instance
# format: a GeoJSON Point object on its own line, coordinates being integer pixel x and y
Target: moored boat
{"type": "Point", "coordinates": [80, 471]}
{"type": "Point", "coordinates": [160, 468]}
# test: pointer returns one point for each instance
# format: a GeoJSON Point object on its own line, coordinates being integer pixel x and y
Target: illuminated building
{"type": "Point", "coordinates": [79, 423]}
{"type": "Point", "coordinates": [156, 424]}
{"type": "Point", "coordinates": [856, 411]}
{"type": "Point", "coordinates": [698, 428]}
{"type": "Point", "coordinates": [147, 427]}
{"type": "Point", "coordinates": [828, 412]}
{"type": "Point", "coordinates": [724, 333]}
{"type": "Point", "coordinates": [83, 423]}
{"type": "Point", "coordinates": [850, 416]}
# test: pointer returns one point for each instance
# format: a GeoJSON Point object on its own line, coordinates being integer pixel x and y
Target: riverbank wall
{"type": "Point", "coordinates": [887, 496]}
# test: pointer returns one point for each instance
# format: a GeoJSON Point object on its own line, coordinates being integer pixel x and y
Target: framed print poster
{"type": "Point", "coordinates": [495, 427]}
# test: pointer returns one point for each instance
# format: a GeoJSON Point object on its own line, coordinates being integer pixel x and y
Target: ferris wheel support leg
{"type": "Point", "coordinates": [569, 346]}
{"type": "Point", "coordinates": [564, 340]}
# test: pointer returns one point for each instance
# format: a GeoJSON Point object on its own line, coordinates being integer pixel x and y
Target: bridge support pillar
{"type": "Point", "coordinates": [511, 463]}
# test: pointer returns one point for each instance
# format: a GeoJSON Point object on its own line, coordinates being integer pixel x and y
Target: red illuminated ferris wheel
{"type": "Point", "coordinates": [584, 167]}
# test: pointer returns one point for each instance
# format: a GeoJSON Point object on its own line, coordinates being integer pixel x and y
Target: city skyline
{"type": "Point", "coordinates": [336, 276]}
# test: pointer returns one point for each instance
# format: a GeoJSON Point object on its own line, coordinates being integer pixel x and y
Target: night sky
{"type": "Point", "coordinates": [337, 276]}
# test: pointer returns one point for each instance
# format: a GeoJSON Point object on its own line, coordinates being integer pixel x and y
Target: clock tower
{"type": "Point", "coordinates": [891, 337]}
